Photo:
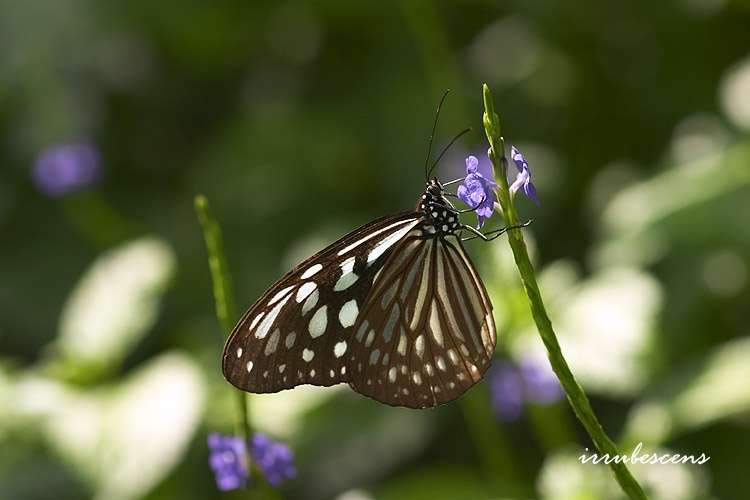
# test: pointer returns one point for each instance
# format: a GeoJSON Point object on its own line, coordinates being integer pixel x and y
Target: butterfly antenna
{"type": "Point", "coordinates": [446, 148]}
{"type": "Point", "coordinates": [432, 134]}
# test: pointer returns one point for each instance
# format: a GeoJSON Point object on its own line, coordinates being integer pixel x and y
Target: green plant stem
{"type": "Point", "coordinates": [577, 398]}
{"type": "Point", "coordinates": [226, 313]}
{"type": "Point", "coordinates": [223, 293]}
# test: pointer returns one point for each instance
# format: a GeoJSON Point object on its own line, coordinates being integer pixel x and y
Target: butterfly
{"type": "Point", "coordinates": [396, 309]}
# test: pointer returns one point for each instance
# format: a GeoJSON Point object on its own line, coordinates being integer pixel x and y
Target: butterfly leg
{"type": "Point", "coordinates": [449, 208]}
{"type": "Point", "coordinates": [491, 235]}
{"type": "Point", "coordinates": [466, 210]}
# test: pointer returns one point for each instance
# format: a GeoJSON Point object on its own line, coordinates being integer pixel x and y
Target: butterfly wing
{"type": "Point", "coordinates": [299, 331]}
{"type": "Point", "coordinates": [426, 333]}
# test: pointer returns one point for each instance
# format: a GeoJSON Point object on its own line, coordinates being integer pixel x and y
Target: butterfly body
{"type": "Point", "coordinates": [395, 309]}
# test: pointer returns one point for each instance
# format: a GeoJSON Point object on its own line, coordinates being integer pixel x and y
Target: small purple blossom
{"type": "Point", "coordinates": [62, 169]}
{"type": "Point", "coordinates": [227, 461]}
{"type": "Point", "coordinates": [541, 385]}
{"type": "Point", "coordinates": [273, 458]}
{"type": "Point", "coordinates": [523, 179]}
{"type": "Point", "coordinates": [477, 191]}
{"type": "Point", "coordinates": [506, 390]}
{"type": "Point", "coordinates": [512, 385]}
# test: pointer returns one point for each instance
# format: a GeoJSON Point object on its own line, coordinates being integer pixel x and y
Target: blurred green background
{"type": "Point", "coordinates": [303, 120]}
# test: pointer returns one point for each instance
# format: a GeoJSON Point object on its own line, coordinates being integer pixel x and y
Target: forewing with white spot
{"type": "Point", "coordinates": [301, 330]}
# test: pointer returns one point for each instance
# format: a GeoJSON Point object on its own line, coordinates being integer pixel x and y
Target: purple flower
{"type": "Point", "coordinates": [477, 191]}
{"type": "Point", "coordinates": [506, 390]}
{"type": "Point", "coordinates": [227, 460]}
{"type": "Point", "coordinates": [512, 385]}
{"type": "Point", "coordinates": [273, 458]}
{"type": "Point", "coordinates": [66, 168]}
{"type": "Point", "coordinates": [540, 383]}
{"type": "Point", "coordinates": [523, 179]}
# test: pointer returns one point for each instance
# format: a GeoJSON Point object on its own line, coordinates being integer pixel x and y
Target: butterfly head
{"type": "Point", "coordinates": [438, 214]}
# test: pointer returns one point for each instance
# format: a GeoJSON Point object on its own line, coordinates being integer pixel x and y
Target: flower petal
{"type": "Point", "coordinates": [530, 191]}
{"type": "Point", "coordinates": [518, 159]}
{"type": "Point", "coordinates": [477, 190]}
{"type": "Point", "coordinates": [471, 164]}
{"type": "Point", "coordinates": [506, 390]}
{"type": "Point", "coordinates": [463, 194]}
{"type": "Point", "coordinates": [523, 179]}
{"type": "Point", "coordinates": [274, 459]}
{"type": "Point", "coordinates": [226, 459]}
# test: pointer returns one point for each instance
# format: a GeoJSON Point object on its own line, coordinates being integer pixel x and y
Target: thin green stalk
{"type": "Point", "coordinates": [577, 398]}
{"type": "Point", "coordinates": [223, 293]}
{"type": "Point", "coordinates": [226, 313]}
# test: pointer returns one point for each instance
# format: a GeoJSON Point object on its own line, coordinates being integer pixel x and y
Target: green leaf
{"type": "Point", "coordinates": [694, 395]}
{"type": "Point", "coordinates": [564, 477]}
{"type": "Point", "coordinates": [683, 202]}
{"type": "Point", "coordinates": [606, 327]}
{"type": "Point", "coordinates": [125, 439]}
{"type": "Point", "coordinates": [113, 306]}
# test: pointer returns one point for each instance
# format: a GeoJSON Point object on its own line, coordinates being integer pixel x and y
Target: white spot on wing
{"type": "Point", "coordinates": [339, 349]}
{"type": "Point", "coordinates": [374, 356]}
{"type": "Point", "coordinates": [345, 281]}
{"type": "Point", "coordinates": [383, 245]}
{"type": "Point", "coordinates": [392, 374]}
{"type": "Point", "coordinates": [377, 275]}
{"type": "Point", "coordinates": [279, 295]}
{"type": "Point", "coordinates": [348, 313]}
{"type": "Point", "coordinates": [273, 342]}
{"type": "Point", "coordinates": [417, 316]}
{"type": "Point", "coordinates": [318, 322]}
{"type": "Point", "coordinates": [305, 290]}
{"type": "Point", "coordinates": [239, 352]}
{"type": "Point", "coordinates": [435, 328]}
{"type": "Point", "coordinates": [402, 344]}
{"type": "Point", "coordinates": [348, 265]}
{"type": "Point", "coordinates": [307, 355]}
{"type": "Point", "coordinates": [419, 345]}
{"type": "Point", "coordinates": [453, 356]}
{"type": "Point", "coordinates": [372, 235]}
{"type": "Point", "coordinates": [289, 342]}
{"type": "Point", "coordinates": [265, 325]}
{"type": "Point", "coordinates": [249, 366]}
{"type": "Point", "coordinates": [311, 301]}
{"type": "Point", "coordinates": [440, 363]}
{"type": "Point", "coordinates": [311, 271]}
{"type": "Point", "coordinates": [255, 320]}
